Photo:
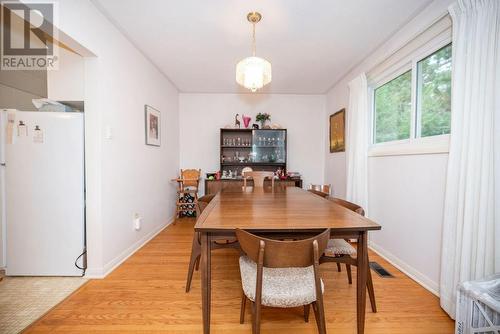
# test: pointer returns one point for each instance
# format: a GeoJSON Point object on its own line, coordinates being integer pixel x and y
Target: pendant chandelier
{"type": "Point", "coordinates": [253, 72]}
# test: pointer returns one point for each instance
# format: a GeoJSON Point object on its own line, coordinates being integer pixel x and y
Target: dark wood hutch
{"type": "Point", "coordinates": [259, 149]}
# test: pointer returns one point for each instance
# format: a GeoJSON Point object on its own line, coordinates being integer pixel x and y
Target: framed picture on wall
{"type": "Point", "coordinates": [153, 126]}
{"type": "Point", "coordinates": [337, 131]}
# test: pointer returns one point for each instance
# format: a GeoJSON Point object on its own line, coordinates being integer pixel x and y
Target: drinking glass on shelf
{"type": "Point", "coordinates": [239, 141]}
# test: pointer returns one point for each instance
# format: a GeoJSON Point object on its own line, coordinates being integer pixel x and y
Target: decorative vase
{"type": "Point", "coordinates": [246, 121]}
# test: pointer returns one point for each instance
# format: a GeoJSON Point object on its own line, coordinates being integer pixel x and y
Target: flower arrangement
{"type": "Point", "coordinates": [262, 118]}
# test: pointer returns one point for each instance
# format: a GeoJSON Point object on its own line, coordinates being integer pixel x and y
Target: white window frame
{"type": "Point", "coordinates": [413, 145]}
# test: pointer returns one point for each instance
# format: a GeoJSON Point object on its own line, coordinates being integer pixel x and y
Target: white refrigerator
{"type": "Point", "coordinates": [42, 189]}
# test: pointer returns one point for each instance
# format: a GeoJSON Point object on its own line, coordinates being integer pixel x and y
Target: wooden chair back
{"type": "Point", "coordinates": [202, 203]}
{"type": "Point", "coordinates": [346, 204]}
{"type": "Point", "coordinates": [319, 193]}
{"type": "Point", "coordinates": [283, 254]}
{"type": "Point", "coordinates": [324, 188]}
{"type": "Point", "coordinates": [258, 178]}
{"type": "Point", "coordinates": [190, 178]}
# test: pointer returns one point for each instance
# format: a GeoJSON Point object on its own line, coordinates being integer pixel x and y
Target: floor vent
{"type": "Point", "coordinates": [380, 270]}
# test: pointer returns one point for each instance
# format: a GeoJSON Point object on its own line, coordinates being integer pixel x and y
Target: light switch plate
{"type": "Point", "coordinates": [108, 132]}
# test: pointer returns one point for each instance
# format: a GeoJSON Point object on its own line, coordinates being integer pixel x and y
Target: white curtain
{"type": "Point", "coordinates": [472, 205]}
{"type": "Point", "coordinates": [357, 142]}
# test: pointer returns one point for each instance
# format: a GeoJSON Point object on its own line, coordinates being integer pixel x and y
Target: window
{"type": "Point", "coordinates": [399, 116]}
{"type": "Point", "coordinates": [434, 93]}
{"type": "Point", "coordinates": [393, 109]}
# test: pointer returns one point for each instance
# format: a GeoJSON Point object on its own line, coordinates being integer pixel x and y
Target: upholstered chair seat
{"type": "Point", "coordinates": [338, 247]}
{"type": "Point", "coordinates": [281, 287]}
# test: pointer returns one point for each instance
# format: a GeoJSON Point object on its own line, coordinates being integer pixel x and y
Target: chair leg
{"type": "Point", "coordinates": [243, 305]}
{"type": "Point", "coordinates": [257, 318]}
{"type": "Point", "coordinates": [195, 255]}
{"type": "Point", "coordinates": [349, 273]}
{"type": "Point", "coordinates": [315, 310]}
{"type": "Point", "coordinates": [339, 268]}
{"type": "Point", "coordinates": [371, 291]}
{"type": "Point", "coordinates": [306, 312]}
{"type": "Point", "coordinates": [197, 264]}
{"type": "Point", "coordinates": [254, 322]}
{"type": "Point", "coordinates": [319, 314]}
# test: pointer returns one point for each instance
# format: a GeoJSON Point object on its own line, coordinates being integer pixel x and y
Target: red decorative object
{"type": "Point", "coordinates": [246, 121]}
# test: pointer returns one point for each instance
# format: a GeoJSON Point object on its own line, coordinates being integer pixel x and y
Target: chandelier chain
{"type": "Point", "coordinates": [254, 43]}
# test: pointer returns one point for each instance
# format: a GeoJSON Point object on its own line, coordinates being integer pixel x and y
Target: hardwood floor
{"type": "Point", "coordinates": [146, 294]}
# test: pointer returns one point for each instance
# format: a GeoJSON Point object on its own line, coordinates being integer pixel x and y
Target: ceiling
{"type": "Point", "coordinates": [310, 44]}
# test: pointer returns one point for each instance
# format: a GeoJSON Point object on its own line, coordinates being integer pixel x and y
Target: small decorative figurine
{"type": "Point", "coordinates": [237, 122]}
{"type": "Point", "coordinates": [246, 121]}
{"type": "Point", "coordinates": [255, 126]}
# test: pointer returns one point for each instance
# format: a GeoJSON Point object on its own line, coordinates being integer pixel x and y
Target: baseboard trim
{"type": "Point", "coordinates": [96, 273]}
{"type": "Point", "coordinates": [408, 270]}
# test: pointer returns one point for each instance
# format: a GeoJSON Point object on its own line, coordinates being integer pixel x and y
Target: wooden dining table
{"type": "Point", "coordinates": [285, 212]}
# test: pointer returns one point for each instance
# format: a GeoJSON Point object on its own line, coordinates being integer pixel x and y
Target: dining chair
{"type": "Point", "coordinates": [217, 243]}
{"type": "Point", "coordinates": [187, 184]}
{"type": "Point", "coordinates": [341, 251]}
{"type": "Point", "coordinates": [322, 190]}
{"type": "Point", "coordinates": [319, 193]}
{"type": "Point", "coordinates": [258, 178]}
{"type": "Point", "coordinates": [282, 274]}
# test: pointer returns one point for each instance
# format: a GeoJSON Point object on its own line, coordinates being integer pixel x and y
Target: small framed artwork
{"type": "Point", "coordinates": [153, 126]}
{"type": "Point", "coordinates": [337, 131]}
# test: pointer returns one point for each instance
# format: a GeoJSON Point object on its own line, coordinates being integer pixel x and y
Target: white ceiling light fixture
{"type": "Point", "coordinates": [253, 72]}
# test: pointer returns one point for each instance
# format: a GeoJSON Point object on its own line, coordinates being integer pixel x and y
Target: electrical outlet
{"type": "Point", "coordinates": [137, 222]}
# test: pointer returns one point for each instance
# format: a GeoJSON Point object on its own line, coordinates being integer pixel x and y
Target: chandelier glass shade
{"type": "Point", "coordinates": [253, 72]}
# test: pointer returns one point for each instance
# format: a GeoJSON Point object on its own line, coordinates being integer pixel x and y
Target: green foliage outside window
{"type": "Point", "coordinates": [434, 93]}
{"type": "Point", "coordinates": [393, 109]}
{"type": "Point", "coordinates": [393, 105]}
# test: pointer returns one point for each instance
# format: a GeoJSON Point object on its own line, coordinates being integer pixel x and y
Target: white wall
{"type": "Point", "coordinates": [124, 176]}
{"type": "Point", "coordinates": [202, 115]}
{"type": "Point", "coordinates": [68, 81]}
{"type": "Point", "coordinates": [406, 193]}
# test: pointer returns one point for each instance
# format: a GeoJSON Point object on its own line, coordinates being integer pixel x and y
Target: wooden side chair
{"type": "Point", "coordinates": [319, 193]}
{"type": "Point", "coordinates": [187, 184]}
{"type": "Point", "coordinates": [194, 261]}
{"type": "Point", "coordinates": [258, 178]}
{"type": "Point", "coordinates": [341, 251]}
{"type": "Point", "coordinates": [322, 190]}
{"type": "Point", "coordinates": [282, 274]}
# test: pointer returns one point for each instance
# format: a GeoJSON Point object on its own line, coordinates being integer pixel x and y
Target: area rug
{"type": "Point", "coordinates": [24, 299]}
